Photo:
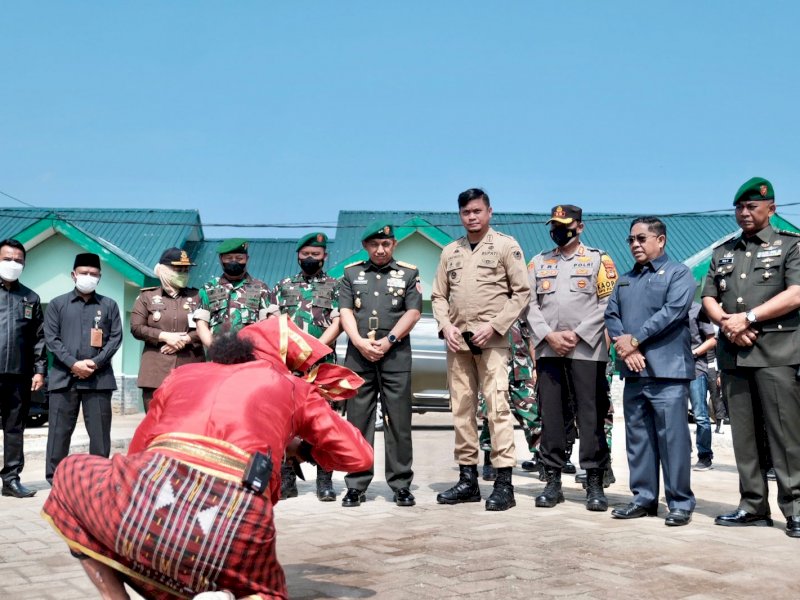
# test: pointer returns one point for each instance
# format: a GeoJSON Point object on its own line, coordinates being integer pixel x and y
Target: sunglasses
{"type": "Point", "coordinates": [641, 238]}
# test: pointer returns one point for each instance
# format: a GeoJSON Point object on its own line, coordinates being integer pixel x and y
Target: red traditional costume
{"type": "Point", "coordinates": [172, 516]}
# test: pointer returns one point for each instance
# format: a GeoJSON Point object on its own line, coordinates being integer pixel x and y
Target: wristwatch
{"type": "Point", "coordinates": [750, 316]}
{"type": "Point", "coordinates": [392, 338]}
{"type": "Point", "coordinates": [634, 342]}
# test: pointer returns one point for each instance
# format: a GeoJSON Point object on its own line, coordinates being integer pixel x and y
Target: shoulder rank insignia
{"type": "Point", "coordinates": [353, 264]}
{"type": "Point", "coordinates": [406, 265]}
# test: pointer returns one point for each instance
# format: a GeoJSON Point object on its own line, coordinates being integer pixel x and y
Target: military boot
{"type": "Point", "coordinates": [552, 493]}
{"type": "Point", "coordinates": [595, 497]}
{"type": "Point", "coordinates": [489, 472]}
{"type": "Point", "coordinates": [608, 477]}
{"type": "Point", "coordinates": [502, 497]}
{"type": "Point", "coordinates": [569, 467]}
{"type": "Point", "coordinates": [288, 482]}
{"type": "Point", "coordinates": [325, 491]}
{"type": "Point", "coordinates": [466, 490]}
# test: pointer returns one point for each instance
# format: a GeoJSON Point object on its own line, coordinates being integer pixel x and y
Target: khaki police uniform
{"type": "Point", "coordinates": [571, 294]}
{"type": "Point", "coordinates": [379, 297]}
{"type": "Point", "coordinates": [759, 380]}
{"type": "Point", "coordinates": [473, 286]}
{"type": "Point", "coordinates": [153, 312]}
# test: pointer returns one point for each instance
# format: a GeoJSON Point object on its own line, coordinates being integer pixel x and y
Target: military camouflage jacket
{"type": "Point", "coordinates": [232, 305]}
{"type": "Point", "coordinates": [519, 336]}
{"type": "Point", "coordinates": [311, 302]}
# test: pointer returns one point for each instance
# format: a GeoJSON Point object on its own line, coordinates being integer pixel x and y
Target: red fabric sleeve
{"type": "Point", "coordinates": [337, 445]}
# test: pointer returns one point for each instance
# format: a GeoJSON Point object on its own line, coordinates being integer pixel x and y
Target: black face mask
{"type": "Point", "coordinates": [562, 235]}
{"type": "Point", "coordinates": [310, 265]}
{"type": "Point", "coordinates": [233, 268]}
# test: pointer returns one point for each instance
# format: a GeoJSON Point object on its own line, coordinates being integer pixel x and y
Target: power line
{"type": "Point", "coordinates": [17, 199]}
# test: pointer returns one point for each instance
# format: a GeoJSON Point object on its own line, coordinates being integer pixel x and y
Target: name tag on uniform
{"type": "Point", "coordinates": [27, 311]}
{"type": "Point", "coordinates": [391, 282]}
{"type": "Point", "coordinates": [96, 338]}
{"type": "Point", "coordinates": [360, 282]}
{"type": "Point", "coordinates": [726, 261]}
{"type": "Point", "coordinates": [764, 253]}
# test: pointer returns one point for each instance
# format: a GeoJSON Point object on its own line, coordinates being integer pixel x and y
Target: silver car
{"type": "Point", "coordinates": [429, 366]}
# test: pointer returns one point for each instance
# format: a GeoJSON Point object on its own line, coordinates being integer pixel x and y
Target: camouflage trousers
{"type": "Point", "coordinates": [525, 406]}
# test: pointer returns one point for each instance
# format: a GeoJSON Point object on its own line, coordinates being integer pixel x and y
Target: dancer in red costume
{"type": "Point", "coordinates": [172, 518]}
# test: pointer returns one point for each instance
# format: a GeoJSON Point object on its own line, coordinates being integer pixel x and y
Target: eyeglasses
{"type": "Point", "coordinates": [641, 238]}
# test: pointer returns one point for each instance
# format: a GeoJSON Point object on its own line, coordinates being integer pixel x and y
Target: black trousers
{"type": "Point", "coordinates": [764, 408]}
{"type": "Point", "coordinates": [15, 396]}
{"type": "Point", "coordinates": [147, 397]}
{"type": "Point", "coordinates": [560, 380]}
{"type": "Point", "coordinates": [64, 408]}
{"type": "Point", "coordinates": [396, 391]}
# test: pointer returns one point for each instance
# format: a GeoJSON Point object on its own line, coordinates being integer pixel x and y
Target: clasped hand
{"type": "Point", "coordinates": [737, 329]}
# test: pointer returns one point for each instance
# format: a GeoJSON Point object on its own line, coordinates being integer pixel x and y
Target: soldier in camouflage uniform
{"type": "Point", "coordinates": [233, 300]}
{"type": "Point", "coordinates": [311, 299]}
{"type": "Point", "coordinates": [521, 390]}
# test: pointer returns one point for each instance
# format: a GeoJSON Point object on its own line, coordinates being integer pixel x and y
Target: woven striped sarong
{"type": "Point", "coordinates": [171, 529]}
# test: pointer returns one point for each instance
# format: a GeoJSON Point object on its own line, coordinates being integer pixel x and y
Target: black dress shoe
{"type": "Point", "coordinates": [404, 497]}
{"type": "Point", "coordinates": [354, 497]}
{"type": "Point", "coordinates": [793, 526]}
{"type": "Point", "coordinates": [531, 465]}
{"type": "Point", "coordinates": [678, 517]}
{"type": "Point", "coordinates": [634, 511]}
{"type": "Point", "coordinates": [16, 489]}
{"type": "Point", "coordinates": [569, 468]}
{"type": "Point", "coordinates": [742, 518]}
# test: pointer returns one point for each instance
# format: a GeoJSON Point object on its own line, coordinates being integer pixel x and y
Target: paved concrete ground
{"type": "Point", "coordinates": [430, 551]}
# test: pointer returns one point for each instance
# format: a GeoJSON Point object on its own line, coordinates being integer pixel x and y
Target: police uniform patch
{"type": "Point", "coordinates": [606, 276]}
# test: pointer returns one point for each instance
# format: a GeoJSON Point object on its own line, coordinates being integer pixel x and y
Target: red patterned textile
{"type": "Point", "coordinates": [172, 515]}
{"type": "Point", "coordinates": [172, 530]}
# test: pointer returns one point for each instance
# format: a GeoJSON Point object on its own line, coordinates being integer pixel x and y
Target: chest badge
{"type": "Point", "coordinates": [157, 316]}
{"type": "Point", "coordinates": [723, 285]}
{"type": "Point", "coordinates": [357, 302]}
{"type": "Point", "coordinates": [545, 285]}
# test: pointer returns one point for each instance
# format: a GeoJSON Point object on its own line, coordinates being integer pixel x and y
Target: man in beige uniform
{"type": "Point", "coordinates": [570, 286]}
{"type": "Point", "coordinates": [481, 287]}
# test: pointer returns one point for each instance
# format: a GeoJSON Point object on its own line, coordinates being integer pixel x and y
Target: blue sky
{"type": "Point", "coordinates": [285, 113]}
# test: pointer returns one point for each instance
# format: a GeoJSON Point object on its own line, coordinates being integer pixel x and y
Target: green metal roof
{"type": "Point", "coordinates": [687, 234]}
{"type": "Point", "coordinates": [135, 237]}
{"type": "Point", "coordinates": [132, 240]}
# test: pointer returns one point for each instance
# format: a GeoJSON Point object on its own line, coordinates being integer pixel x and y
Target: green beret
{"type": "Point", "coordinates": [233, 246]}
{"type": "Point", "coordinates": [379, 230]}
{"type": "Point", "coordinates": [316, 239]}
{"type": "Point", "coordinates": [756, 188]}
